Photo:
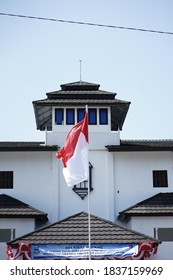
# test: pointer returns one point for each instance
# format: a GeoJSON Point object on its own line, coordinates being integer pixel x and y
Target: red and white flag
{"type": "Point", "coordinates": [74, 154]}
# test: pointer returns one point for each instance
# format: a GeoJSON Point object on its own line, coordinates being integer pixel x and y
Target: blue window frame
{"type": "Point", "coordinates": [103, 116]}
{"type": "Point", "coordinates": [80, 114]}
{"type": "Point", "coordinates": [59, 116]}
{"type": "Point", "coordinates": [70, 116]}
{"type": "Point", "coordinates": [92, 116]}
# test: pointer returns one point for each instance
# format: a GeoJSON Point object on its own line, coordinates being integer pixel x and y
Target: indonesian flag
{"type": "Point", "coordinates": [74, 154]}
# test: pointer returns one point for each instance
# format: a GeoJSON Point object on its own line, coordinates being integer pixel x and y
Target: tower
{"type": "Point", "coordinates": [63, 108]}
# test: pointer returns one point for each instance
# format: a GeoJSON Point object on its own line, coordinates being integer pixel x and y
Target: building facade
{"type": "Point", "coordinates": [122, 172]}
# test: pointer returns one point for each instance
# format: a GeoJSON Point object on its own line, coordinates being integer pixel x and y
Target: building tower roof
{"type": "Point", "coordinates": [79, 94]}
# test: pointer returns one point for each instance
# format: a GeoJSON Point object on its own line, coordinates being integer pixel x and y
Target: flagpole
{"type": "Point", "coordinates": [89, 216]}
{"type": "Point", "coordinates": [89, 221]}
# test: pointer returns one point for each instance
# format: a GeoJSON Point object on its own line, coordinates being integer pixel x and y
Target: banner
{"type": "Point", "coordinates": [81, 251]}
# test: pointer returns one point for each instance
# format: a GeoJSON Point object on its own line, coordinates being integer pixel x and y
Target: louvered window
{"type": "Point", "coordinates": [6, 234]}
{"type": "Point", "coordinates": [6, 179]}
{"type": "Point", "coordinates": [164, 234]}
{"type": "Point", "coordinates": [160, 179]}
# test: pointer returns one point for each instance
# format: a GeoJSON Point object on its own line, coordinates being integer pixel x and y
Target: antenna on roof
{"type": "Point", "coordinates": [80, 61]}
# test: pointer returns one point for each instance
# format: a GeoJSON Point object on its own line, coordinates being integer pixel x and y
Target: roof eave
{"type": "Point", "coordinates": [16, 147]}
{"type": "Point", "coordinates": [147, 214]}
{"type": "Point", "coordinates": [29, 216]}
{"type": "Point", "coordinates": [116, 148]}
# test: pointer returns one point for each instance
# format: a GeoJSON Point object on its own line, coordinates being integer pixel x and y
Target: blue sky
{"type": "Point", "coordinates": [37, 56]}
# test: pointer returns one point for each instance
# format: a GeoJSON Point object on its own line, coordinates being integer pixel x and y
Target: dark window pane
{"type": "Point", "coordinates": [165, 234]}
{"type": "Point", "coordinates": [80, 114]}
{"type": "Point", "coordinates": [70, 116]}
{"type": "Point", "coordinates": [59, 116]}
{"type": "Point", "coordinates": [6, 179]}
{"type": "Point", "coordinates": [103, 115]}
{"type": "Point", "coordinates": [6, 235]}
{"type": "Point", "coordinates": [92, 116]}
{"type": "Point", "coordinates": [160, 179]}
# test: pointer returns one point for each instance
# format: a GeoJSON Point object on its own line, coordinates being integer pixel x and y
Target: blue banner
{"type": "Point", "coordinates": [81, 251]}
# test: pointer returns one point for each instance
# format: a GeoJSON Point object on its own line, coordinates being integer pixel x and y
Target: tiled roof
{"type": "Point", "coordinates": [80, 84]}
{"type": "Point", "coordinates": [125, 145]}
{"type": "Point", "coordinates": [158, 205]}
{"type": "Point", "coordinates": [13, 208]}
{"type": "Point", "coordinates": [26, 146]}
{"type": "Point", "coordinates": [142, 145]}
{"type": "Point", "coordinates": [79, 101]}
{"type": "Point", "coordinates": [82, 88]}
{"type": "Point", "coordinates": [79, 94]}
{"type": "Point", "coordinates": [74, 229]}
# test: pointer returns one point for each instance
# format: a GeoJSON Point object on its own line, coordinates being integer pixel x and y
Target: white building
{"type": "Point", "coordinates": [122, 173]}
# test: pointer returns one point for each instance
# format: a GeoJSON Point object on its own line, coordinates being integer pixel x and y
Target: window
{"type": "Point", "coordinates": [6, 179]}
{"type": "Point", "coordinates": [92, 116]}
{"type": "Point", "coordinates": [81, 189]}
{"type": "Point", "coordinates": [80, 114]}
{"type": "Point", "coordinates": [6, 234]}
{"type": "Point", "coordinates": [164, 234]}
{"type": "Point", "coordinates": [160, 179]}
{"type": "Point", "coordinates": [69, 116]}
{"type": "Point", "coordinates": [103, 116]}
{"type": "Point", "coordinates": [59, 116]}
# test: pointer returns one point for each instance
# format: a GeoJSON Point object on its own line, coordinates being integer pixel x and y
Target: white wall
{"type": "Point", "coordinates": [38, 181]}
{"type": "Point", "coordinates": [133, 176]}
{"type": "Point", "coordinates": [97, 139]}
{"type": "Point", "coordinates": [21, 226]}
{"type": "Point", "coordinates": [35, 179]}
{"type": "Point", "coordinates": [102, 196]}
{"type": "Point", "coordinates": [146, 225]}
{"type": "Point", "coordinates": [119, 181]}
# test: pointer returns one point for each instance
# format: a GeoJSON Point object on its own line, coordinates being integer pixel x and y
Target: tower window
{"type": "Point", "coordinates": [80, 114]}
{"type": "Point", "coordinates": [59, 116]}
{"type": "Point", "coordinates": [70, 116]}
{"type": "Point", "coordinates": [92, 116]}
{"type": "Point", "coordinates": [103, 116]}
